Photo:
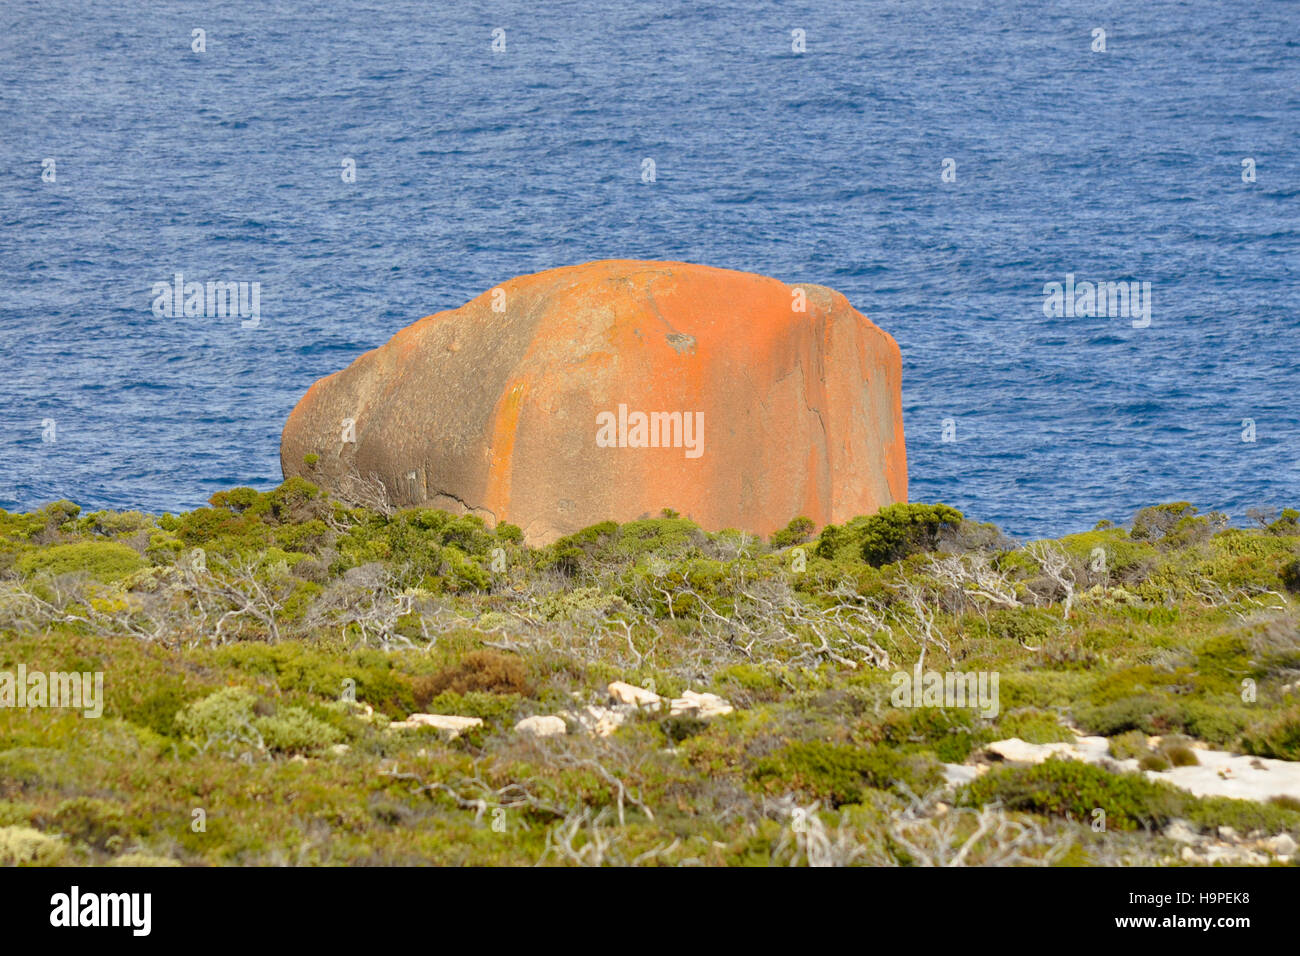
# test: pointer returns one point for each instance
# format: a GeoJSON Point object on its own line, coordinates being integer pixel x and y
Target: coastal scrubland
{"type": "Point", "coordinates": [262, 656]}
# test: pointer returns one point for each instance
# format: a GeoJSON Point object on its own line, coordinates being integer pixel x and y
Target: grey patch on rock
{"type": "Point", "coordinates": [684, 344]}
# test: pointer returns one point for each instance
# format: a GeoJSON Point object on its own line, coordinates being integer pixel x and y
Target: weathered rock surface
{"type": "Point", "coordinates": [507, 406]}
{"type": "Point", "coordinates": [1087, 749]}
{"type": "Point", "coordinates": [601, 721]}
{"type": "Point", "coordinates": [627, 699]}
{"type": "Point", "coordinates": [451, 724]}
{"type": "Point", "coordinates": [624, 693]}
{"type": "Point", "coordinates": [548, 725]}
{"type": "Point", "coordinates": [699, 705]}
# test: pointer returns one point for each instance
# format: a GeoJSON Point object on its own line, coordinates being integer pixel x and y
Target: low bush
{"type": "Point", "coordinates": [1067, 788]}
{"type": "Point", "coordinates": [103, 560]}
{"type": "Point", "coordinates": [840, 773]}
{"type": "Point", "coordinates": [487, 671]}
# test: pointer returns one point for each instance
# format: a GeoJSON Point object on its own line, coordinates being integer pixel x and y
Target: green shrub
{"type": "Point", "coordinates": [678, 728]}
{"type": "Point", "coordinates": [1288, 523]}
{"type": "Point", "coordinates": [1177, 749]}
{"type": "Point", "coordinates": [237, 500]}
{"type": "Point", "coordinates": [428, 547]}
{"type": "Point", "coordinates": [1137, 698]}
{"type": "Point", "coordinates": [158, 707]}
{"type": "Point", "coordinates": [1291, 576]}
{"type": "Point", "coordinates": [1212, 721]}
{"type": "Point", "coordinates": [1126, 561]}
{"type": "Point", "coordinates": [510, 532]}
{"type": "Point", "coordinates": [663, 536]}
{"type": "Point", "coordinates": [295, 500]}
{"type": "Point", "coordinates": [841, 773]}
{"type": "Point", "coordinates": [1130, 745]}
{"type": "Point", "coordinates": [227, 711]}
{"type": "Point", "coordinates": [497, 709]}
{"type": "Point", "coordinates": [1277, 737]}
{"type": "Point", "coordinates": [112, 524]}
{"type": "Point", "coordinates": [302, 667]}
{"type": "Point", "coordinates": [570, 554]}
{"type": "Point", "coordinates": [98, 823]}
{"type": "Point", "coordinates": [23, 846]}
{"type": "Point", "coordinates": [898, 530]}
{"type": "Point", "coordinates": [608, 542]}
{"type": "Point", "coordinates": [295, 730]}
{"type": "Point", "coordinates": [103, 560]}
{"type": "Point", "coordinates": [221, 530]}
{"type": "Point", "coordinates": [797, 531]}
{"type": "Point", "coordinates": [950, 733]}
{"type": "Point", "coordinates": [463, 573]}
{"type": "Point", "coordinates": [15, 814]}
{"type": "Point", "coordinates": [236, 714]}
{"type": "Point", "coordinates": [1174, 525]}
{"type": "Point", "coordinates": [828, 542]}
{"type": "Point", "coordinates": [758, 681]}
{"type": "Point", "coordinates": [1035, 727]}
{"type": "Point", "coordinates": [576, 603]}
{"type": "Point", "coordinates": [1242, 815]}
{"type": "Point", "coordinates": [1225, 656]}
{"type": "Point", "coordinates": [1067, 788]}
{"type": "Point", "coordinates": [1024, 625]}
{"type": "Point", "coordinates": [57, 514]}
{"type": "Point", "coordinates": [1145, 712]}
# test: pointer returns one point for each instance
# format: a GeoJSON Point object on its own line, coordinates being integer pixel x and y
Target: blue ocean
{"type": "Point", "coordinates": [940, 163]}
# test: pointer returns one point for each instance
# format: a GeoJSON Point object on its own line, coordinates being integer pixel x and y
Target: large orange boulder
{"type": "Point", "coordinates": [613, 390]}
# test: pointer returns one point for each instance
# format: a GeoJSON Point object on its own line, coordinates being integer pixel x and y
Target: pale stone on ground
{"type": "Point", "coordinates": [450, 723]}
{"type": "Point", "coordinates": [1087, 749]}
{"type": "Point", "coordinates": [601, 721]}
{"type": "Point", "coordinates": [956, 774]}
{"type": "Point", "coordinates": [699, 705]}
{"type": "Point", "coordinates": [1223, 774]}
{"type": "Point", "coordinates": [626, 693]}
{"type": "Point", "coordinates": [542, 726]}
{"type": "Point", "coordinates": [1282, 844]}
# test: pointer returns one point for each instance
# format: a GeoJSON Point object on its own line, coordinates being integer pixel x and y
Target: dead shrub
{"type": "Point", "coordinates": [489, 672]}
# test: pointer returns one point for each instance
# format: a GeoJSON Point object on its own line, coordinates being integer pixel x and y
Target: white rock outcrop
{"type": "Point", "coordinates": [699, 705]}
{"type": "Point", "coordinates": [627, 699]}
{"type": "Point", "coordinates": [548, 725]}
{"type": "Point", "coordinates": [1218, 773]}
{"type": "Point", "coordinates": [450, 724]}
{"type": "Point", "coordinates": [630, 694]}
{"type": "Point", "coordinates": [1087, 749]}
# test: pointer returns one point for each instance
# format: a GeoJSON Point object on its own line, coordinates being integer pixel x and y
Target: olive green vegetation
{"type": "Point", "coordinates": [255, 651]}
